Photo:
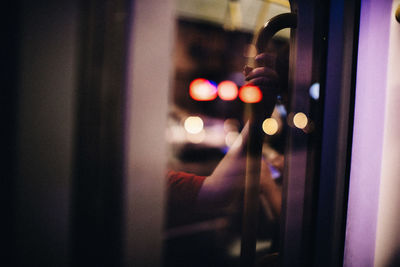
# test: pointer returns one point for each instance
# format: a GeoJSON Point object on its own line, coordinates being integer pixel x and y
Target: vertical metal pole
{"type": "Point", "coordinates": [252, 184]}
{"type": "Point", "coordinates": [254, 149]}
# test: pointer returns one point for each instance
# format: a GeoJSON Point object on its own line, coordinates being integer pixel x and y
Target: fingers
{"type": "Point", "coordinates": [262, 72]}
{"type": "Point", "coordinates": [262, 60]}
{"type": "Point", "coordinates": [247, 70]}
{"type": "Point", "coordinates": [263, 82]}
{"type": "Point", "coordinates": [266, 60]}
{"type": "Point", "coordinates": [262, 77]}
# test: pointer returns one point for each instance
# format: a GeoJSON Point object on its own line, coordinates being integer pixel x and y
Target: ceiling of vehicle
{"type": "Point", "coordinates": [242, 15]}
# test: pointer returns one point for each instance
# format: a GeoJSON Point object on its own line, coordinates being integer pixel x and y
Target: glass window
{"type": "Point", "coordinates": [207, 130]}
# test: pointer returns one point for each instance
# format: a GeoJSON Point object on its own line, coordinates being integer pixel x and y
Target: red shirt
{"type": "Point", "coordinates": [183, 189]}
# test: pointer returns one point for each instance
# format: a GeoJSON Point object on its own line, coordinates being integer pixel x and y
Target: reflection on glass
{"type": "Point", "coordinates": [250, 94]}
{"type": "Point", "coordinates": [227, 90]}
{"type": "Point", "coordinates": [270, 126]}
{"type": "Point", "coordinates": [194, 124]}
{"type": "Point", "coordinates": [208, 134]}
{"type": "Point", "coordinates": [202, 90]}
{"type": "Point", "coordinates": [314, 91]}
{"type": "Point", "coordinates": [197, 137]}
{"type": "Point", "coordinates": [300, 120]}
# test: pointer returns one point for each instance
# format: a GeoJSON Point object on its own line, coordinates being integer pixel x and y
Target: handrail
{"type": "Point", "coordinates": [254, 150]}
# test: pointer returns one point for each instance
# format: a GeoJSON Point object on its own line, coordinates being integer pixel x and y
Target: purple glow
{"type": "Point", "coordinates": [368, 133]}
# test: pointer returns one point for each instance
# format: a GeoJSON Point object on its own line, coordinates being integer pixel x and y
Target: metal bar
{"type": "Point", "coordinates": [254, 149]}
{"type": "Point", "coordinates": [250, 211]}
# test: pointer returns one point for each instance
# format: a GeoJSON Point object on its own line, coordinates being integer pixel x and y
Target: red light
{"type": "Point", "coordinates": [250, 94]}
{"type": "Point", "coordinates": [227, 90]}
{"type": "Point", "coordinates": [202, 90]}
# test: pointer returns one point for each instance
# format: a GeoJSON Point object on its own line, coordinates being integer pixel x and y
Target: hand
{"type": "Point", "coordinates": [265, 77]}
{"type": "Point", "coordinates": [270, 190]}
{"type": "Point", "coordinates": [227, 179]}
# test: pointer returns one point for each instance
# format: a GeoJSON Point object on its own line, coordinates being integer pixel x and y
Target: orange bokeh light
{"type": "Point", "coordinates": [202, 90]}
{"type": "Point", "coordinates": [250, 94]}
{"type": "Point", "coordinates": [227, 90]}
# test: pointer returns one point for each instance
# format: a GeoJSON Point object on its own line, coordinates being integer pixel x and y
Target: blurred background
{"type": "Point", "coordinates": [101, 97]}
{"type": "Point", "coordinates": [214, 40]}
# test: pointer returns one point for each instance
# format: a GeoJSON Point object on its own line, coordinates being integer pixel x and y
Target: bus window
{"type": "Point", "coordinates": [207, 131]}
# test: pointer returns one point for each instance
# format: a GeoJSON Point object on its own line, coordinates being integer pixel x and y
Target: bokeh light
{"type": "Point", "coordinates": [227, 90]}
{"type": "Point", "coordinates": [231, 125]}
{"type": "Point", "coordinates": [270, 126]}
{"type": "Point", "coordinates": [193, 124]}
{"type": "Point", "coordinates": [300, 120]}
{"type": "Point", "coordinates": [196, 138]}
{"type": "Point", "coordinates": [314, 91]}
{"type": "Point", "coordinates": [250, 94]}
{"type": "Point", "coordinates": [202, 90]}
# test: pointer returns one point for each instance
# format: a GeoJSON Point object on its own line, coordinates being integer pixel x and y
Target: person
{"type": "Point", "coordinates": [189, 193]}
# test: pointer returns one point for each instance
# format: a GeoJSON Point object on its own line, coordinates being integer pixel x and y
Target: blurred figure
{"type": "Point", "coordinates": [190, 194]}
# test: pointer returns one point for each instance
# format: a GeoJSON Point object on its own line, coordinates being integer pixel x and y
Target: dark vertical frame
{"type": "Point", "coordinates": [10, 27]}
{"type": "Point", "coordinates": [298, 184]}
{"type": "Point", "coordinates": [97, 183]}
{"type": "Point", "coordinates": [323, 50]}
{"type": "Point", "coordinates": [337, 132]}
{"type": "Point", "coordinates": [44, 57]}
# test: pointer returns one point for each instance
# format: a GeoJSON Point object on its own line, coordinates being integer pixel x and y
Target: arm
{"type": "Point", "coordinates": [227, 179]}
{"type": "Point", "coordinates": [221, 187]}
